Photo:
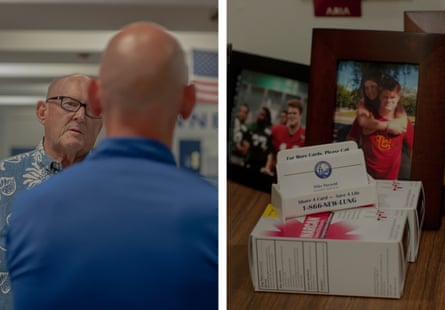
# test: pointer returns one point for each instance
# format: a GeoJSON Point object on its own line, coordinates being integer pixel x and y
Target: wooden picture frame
{"type": "Point", "coordinates": [426, 21]}
{"type": "Point", "coordinates": [329, 46]}
{"type": "Point", "coordinates": [241, 66]}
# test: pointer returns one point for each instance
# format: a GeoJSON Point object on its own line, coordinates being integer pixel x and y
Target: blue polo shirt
{"type": "Point", "coordinates": [124, 229]}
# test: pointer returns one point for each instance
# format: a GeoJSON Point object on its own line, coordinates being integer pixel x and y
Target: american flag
{"type": "Point", "coordinates": [205, 75]}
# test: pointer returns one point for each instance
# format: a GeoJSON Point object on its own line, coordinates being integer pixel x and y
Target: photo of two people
{"type": "Point", "coordinates": [376, 106]}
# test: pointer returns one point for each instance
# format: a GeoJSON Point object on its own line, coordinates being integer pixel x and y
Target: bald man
{"type": "Point", "coordinates": [125, 228]}
{"type": "Point", "coordinates": [70, 132]}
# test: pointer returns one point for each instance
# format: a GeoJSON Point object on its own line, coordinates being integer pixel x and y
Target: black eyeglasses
{"type": "Point", "coordinates": [73, 105]}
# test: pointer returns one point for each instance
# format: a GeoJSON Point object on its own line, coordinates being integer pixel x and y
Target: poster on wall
{"type": "Point", "coordinates": [337, 8]}
{"type": "Point", "coordinates": [196, 139]}
{"type": "Point", "coordinates": [196, 142]}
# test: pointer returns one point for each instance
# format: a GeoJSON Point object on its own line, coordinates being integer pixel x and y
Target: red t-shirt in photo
{"type": "Point", "coordinates": [383, 151]}
{"type": "Point", "coordinates": [282, 139]}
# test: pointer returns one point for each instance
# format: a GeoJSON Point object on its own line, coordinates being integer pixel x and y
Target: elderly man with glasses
{"type": "Point", "coordinates": [70, 132]}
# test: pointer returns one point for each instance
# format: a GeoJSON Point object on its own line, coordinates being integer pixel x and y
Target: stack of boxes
{"type": "Point", "coordinates": [349, 238]}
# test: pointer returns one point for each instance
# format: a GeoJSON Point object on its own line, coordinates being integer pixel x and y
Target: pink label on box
{"type": "Point", "coordinates": [310, 226]}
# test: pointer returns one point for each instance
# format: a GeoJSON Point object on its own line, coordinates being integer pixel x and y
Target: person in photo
{"type": "Point", "coordinates": [382, 148]}
{"type": "Point", "coordinates": [288, 136]}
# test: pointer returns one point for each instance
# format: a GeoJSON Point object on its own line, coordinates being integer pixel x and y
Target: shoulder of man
{"type": "Point", "coordinates": [16, 163]}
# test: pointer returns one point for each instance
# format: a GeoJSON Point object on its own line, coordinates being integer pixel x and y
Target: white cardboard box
{"type": "Point", "coordinates": [408, 195]}
{"type": "Point", "coordinates": [289, 206]}
{"type": "Point", "coordinates": [354, 252]}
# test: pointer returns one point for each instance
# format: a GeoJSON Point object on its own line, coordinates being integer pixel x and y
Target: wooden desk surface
{"type": "Point", "coordinates": [424, 285]}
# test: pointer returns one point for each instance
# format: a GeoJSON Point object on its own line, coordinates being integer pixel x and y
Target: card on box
{"type": "Point", "coordinates": [321, 178]}
{"type": "Point", "coordinates": [322, 173]}
{"type": "Point", "coordinates": [316, 151]}
{"type": "Point", "coordinates": [294, 205]}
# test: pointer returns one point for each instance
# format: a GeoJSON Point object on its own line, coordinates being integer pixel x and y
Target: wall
{"type": "Point", "coordinates": [283, 29]}
{"type": "Point", "coordinates": [19, 128]}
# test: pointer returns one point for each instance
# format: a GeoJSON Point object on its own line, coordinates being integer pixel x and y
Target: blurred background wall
{"type": "Point", "coordinates": [283, 29]}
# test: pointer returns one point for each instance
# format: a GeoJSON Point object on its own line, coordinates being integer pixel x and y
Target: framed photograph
{"type": "Point", "coordinates": [260, 92]}
{"type": "Point", "coordinates": [357, 117]}
{"type": "Point", "coordinates": [342, 59]}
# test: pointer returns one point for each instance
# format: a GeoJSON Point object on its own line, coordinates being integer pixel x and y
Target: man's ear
{"type": "Point", "coordinates": [41, 109]}
{"type": "Point", "coordinates": [94, 99]}
{"type": "Point", "coordinates": [189, 101]}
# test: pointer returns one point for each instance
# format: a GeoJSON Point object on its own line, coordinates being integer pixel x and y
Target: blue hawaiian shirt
{"type": "Point", "coordinates": [18, 173]}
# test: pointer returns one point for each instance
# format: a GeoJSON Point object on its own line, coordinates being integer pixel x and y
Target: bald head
{"type": "Point", "coordinates": [70, 81]}
{"type": "Point", "coordinates": [143, 83]}
{"type": "Point", "coordinates": [143, 65]}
